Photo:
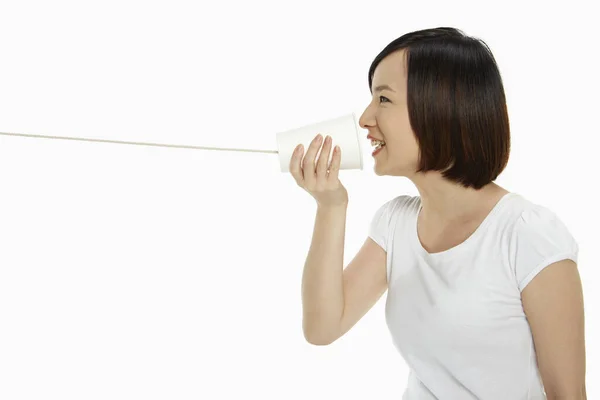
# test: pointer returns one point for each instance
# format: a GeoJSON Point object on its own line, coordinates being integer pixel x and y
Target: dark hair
{"type": "Point", "coordinates": [456, 104]}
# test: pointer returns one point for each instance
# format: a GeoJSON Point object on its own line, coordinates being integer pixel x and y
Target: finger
{"type": "Point", "coordinates": [334, 167]}
{"type": "Point", "coordinates": [308, 164]}
{"type": "Point", "coordinates": [324, 159]}
{"type": "Point", "coordinates": [295, 167]}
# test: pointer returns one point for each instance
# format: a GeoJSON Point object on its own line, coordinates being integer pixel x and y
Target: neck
{"type": "Point", "coordinates": [448, 202]}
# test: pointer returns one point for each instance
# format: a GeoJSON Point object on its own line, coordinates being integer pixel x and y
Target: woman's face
{"type": "Point", "coordinates": [386, 118]}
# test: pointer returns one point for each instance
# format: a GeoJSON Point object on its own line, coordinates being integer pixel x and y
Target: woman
{"type": "Point", "coordinates": [484, 297]}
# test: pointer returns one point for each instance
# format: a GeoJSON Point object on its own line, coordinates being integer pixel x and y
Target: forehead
{"type": "Point", "coordinates": [391, 71]}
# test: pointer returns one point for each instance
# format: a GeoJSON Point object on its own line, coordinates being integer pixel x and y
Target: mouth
{"type": "Point", "coordinates": [377, 143]}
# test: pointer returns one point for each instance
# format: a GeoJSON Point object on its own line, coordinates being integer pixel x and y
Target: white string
{"type": "Point", "coordinates": [142, 143]}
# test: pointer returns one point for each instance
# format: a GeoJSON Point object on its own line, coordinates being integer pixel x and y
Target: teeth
{"type": "Point", "coordinates": [377, 143]}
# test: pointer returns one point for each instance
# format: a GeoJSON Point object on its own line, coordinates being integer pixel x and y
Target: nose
{"type": "Point", "coordinates": [367, 119]}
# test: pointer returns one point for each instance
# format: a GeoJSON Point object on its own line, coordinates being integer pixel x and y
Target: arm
{"type": "Point", "coordinates": [335, 299]}
{"type": "Point", "coordinates": [553, 304]}
{"type": "Point", "coordinates": [322, 284]}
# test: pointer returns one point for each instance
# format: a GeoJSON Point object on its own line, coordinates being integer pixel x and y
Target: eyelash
{"type": "Point", "coordinates": [383, 97]}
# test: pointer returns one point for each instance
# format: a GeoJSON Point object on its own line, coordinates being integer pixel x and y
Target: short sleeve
{"type": "Point", "coordinates": [380, 223]}
{"type": "Point", "coordinates": [541, 239]}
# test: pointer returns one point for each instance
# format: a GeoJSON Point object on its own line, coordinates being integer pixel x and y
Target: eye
{"type": "Point", "coordinates": [383, 99]}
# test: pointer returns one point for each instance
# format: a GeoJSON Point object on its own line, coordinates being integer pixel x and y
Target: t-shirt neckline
{"type": "Point", "coordinates": [480, 229]}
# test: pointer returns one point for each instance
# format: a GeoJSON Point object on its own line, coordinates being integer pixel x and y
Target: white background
{"type": "Point", "coordinates": [135, 272]}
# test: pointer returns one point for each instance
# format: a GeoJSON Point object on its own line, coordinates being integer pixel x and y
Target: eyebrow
{"type": "Point", "coordinates": [383, 87]}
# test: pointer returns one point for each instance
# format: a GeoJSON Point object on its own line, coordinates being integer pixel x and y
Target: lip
{"type": "Point", "coordinates": [374, 138]}
{"type": "Point", "coordinates": [377, 151]}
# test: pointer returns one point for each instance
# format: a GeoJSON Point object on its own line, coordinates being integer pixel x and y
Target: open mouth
{"type": "Point", "coordinates": [377, 143]}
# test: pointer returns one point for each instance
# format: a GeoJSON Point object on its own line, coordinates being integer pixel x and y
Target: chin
{"type": "Point", "coordinates": [378, 170]}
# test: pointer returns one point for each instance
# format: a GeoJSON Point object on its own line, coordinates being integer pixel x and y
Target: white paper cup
{"type": "Point", "coordinates": [343, 131]}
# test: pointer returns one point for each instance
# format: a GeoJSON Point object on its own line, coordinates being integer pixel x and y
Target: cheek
{"type": "Point", "coordinates": [404, 146]}
{"type": "Point", "coordinates": [395, 126]}
{"type": "Point", "coordinates": [402, 137]}
{"type": "Point", "coordinates": [397, 123]}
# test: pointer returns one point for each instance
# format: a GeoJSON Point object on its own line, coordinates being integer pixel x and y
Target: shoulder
{"type": "Point", "coordinates": [390, 209]}
{"type": "Point", "coordinates": [521, 215]}
{"type": "Point", "coordinates": [538, 238]}
{"type": "Point", "coordinates": [386, 217]}
{"type": "Point", "coordinates": [402, 203]}
{"type": "Point", "coordinates": [536, 221]}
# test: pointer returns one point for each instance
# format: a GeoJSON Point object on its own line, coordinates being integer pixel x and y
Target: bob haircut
{"type": "Point", "coordinates": [456, 104]}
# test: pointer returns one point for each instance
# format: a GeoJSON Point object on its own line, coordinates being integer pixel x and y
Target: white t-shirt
{"type": "Point", "coordinates": [456, 316]}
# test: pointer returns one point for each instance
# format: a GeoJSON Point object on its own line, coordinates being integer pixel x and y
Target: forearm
{"type": "Point", "coordinates": [322, 280]}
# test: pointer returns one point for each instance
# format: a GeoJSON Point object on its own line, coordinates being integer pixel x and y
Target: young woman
{"type": "Point", "coordinates": [484, 299]}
